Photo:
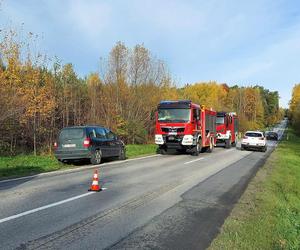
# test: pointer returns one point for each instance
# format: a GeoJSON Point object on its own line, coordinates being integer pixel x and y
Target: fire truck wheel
{"type": "Point", "coordinates": [162, 151]}
{"type": "Point", "coordinates": [211, 146]}
{"type": "Point", "coordinates": [228, 143]}
{"type": "Point", "coordinates": [197, 149]}
{"type": "Point", "coordinates": [235, 141]}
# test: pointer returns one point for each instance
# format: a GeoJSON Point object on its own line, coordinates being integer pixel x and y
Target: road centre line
{"type": "Point", "coordinates": [188, 162]}
{"type": "Point", "coordinates": [44, 207]}
{"type": "Point", "coordinates": [202, 158]}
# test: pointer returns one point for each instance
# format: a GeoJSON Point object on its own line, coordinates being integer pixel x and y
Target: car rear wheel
{"type": "Point", "coordinates": [96, 157]}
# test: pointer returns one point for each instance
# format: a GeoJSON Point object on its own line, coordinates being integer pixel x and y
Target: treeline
{"type": "Point", "coordinates": [37, 100]}
{"type": "Point", "coordinates": [256, 106]}
{"type": "Point", "coordinates": [294, 109]}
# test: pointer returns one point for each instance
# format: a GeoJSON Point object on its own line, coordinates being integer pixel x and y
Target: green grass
{"type": "Point", "coordinates": [268, 214]}
{"type": "Point", "coordinates": [23, 165]}
{"type": "Point", "coordinates": [133, 151]}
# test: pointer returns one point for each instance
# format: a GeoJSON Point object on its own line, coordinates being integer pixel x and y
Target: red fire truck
{"type": "Point", "coordinates": [227, 128]}
{"type": "Point", "coordinates": [185, 126]}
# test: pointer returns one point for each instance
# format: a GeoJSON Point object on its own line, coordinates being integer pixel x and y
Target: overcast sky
{"type": "Point", "coordinates": [233, 42]}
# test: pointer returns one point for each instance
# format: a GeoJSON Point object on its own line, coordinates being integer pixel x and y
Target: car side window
{"type": "Point", "coordinates": [110, 135]}
{"type": "Point", "coordinates": [100, 133]}
{"type": "Point", "coordinates": [92, 133]}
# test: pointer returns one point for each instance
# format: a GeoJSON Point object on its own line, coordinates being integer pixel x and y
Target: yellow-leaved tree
{"type": "Point", "coordinates": [295, 108]}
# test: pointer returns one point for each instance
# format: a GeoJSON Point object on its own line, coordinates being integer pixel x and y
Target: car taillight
{"type": "Point", "coordinates": [87, 142]}
{"type": "Point", "coordinates": [55, 145]}
{"type": "Point", "coordinates": [261, 138]}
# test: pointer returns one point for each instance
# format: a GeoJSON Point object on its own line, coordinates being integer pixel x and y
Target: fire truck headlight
{"type": "Point", "coordinates": [187, 140]}
{"type": "Point", "coordinates": [159, 139]}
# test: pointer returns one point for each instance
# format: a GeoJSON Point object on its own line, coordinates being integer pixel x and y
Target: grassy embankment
{"type": "Point", "coordinates": [268, 214]}
{"type": "Point", "coordinates": [23, 165]}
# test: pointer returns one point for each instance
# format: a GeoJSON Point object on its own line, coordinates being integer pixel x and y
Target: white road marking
{"type": "Point", "coordinates": [188, 162]}
{"type": "Point", "coordinates": [44, 207]}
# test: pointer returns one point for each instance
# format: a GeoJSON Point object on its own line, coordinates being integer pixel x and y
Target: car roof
{"type": "Point", "coordinates": [250, 131]}
{"type": "Point", "coordinates": [254, 132]}
{"type": "Point", "coordinates": [85, 126]}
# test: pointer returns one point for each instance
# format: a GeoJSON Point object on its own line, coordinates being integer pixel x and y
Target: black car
{"type": "Point", "coordinates": [88, 142]}
{"type": "Point", "coordinates": [272, 136]}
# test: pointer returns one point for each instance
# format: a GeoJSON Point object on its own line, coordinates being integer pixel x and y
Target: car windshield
{"type": "Point", "coordinates": [71, 133]}
{"type": "Point", "coordinates": [174, 115]}
{"type": "Point", "coordinates": [252, 134]}
{"type": "Point", "coordinates": [220, 120]}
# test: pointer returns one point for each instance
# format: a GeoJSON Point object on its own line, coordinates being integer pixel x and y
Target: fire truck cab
{"type": "Point", "coordinates": [227, 128]}
{"type": "Point", "coordinates": [185, 126]}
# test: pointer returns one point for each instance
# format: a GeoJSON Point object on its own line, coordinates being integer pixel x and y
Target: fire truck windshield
{"type": "Point", "coordinates": [220, 120]}
{"type": "Point", "coordinates": [174, 115]}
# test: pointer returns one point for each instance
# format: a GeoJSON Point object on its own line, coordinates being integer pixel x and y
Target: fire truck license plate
{"type": "Point", "coordinates": [171, 138]}
{"type": "Point", "coordinates": [172, 133]}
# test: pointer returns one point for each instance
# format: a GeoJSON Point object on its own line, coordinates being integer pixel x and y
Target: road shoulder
{"type": "Point", "coordinates": [268, 214]}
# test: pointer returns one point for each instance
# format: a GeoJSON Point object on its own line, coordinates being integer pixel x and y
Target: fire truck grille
{"type": "Point", "coordinates": [174, 139]}
{"type": "Point", "coordinates": [172, 130]}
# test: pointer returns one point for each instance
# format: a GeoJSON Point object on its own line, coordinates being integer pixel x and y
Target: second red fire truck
{"type": "Point", "coordinates": [227, 128]}
{"type": "Point", "coordinates": [185, 126]}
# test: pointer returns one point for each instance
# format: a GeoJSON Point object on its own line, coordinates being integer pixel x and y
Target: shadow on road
{"type": "Point", "coordinates": [7, 184]}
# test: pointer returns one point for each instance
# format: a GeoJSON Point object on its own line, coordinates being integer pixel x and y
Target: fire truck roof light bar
{"type": "Point", "coordinates": [180, 101]}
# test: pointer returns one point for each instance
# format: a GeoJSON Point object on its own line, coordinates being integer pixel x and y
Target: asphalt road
{"type": "Point", "coordinates": [157, 202]}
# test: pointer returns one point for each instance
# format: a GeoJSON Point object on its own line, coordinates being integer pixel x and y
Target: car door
{"type": "Point", "coordinates": [91, 134]}
{"type": "Point", "coordinates": [102, 142]}
{"type": "Point", "coordinates": [112, 142]}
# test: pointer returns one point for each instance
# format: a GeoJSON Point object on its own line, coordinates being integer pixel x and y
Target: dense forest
{"type": "Point", "coordinates": [38, 98]}
{"type": "Point", "coordinates": [294, 110]}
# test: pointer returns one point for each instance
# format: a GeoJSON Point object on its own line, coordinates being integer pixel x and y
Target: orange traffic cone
{"type": "Point", "coordinates": [95, 184]}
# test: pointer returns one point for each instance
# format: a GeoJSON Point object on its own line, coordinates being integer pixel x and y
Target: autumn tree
{"type": "Point", "coordinates": [133, 84]}
{"type": "Point", "coordinates": [294, 108]}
